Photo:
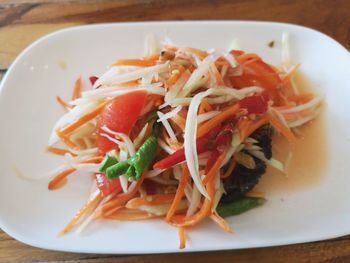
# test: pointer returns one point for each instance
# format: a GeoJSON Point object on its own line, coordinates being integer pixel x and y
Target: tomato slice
{"type": "Point", "coordinates": [254, 104]}
{"type": "Point", "coordinates": [107, 187]}
{"type": "Point", "coordinates": [120, 115]}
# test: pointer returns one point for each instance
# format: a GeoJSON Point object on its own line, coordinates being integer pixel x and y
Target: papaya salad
{"type": "Point", "coordinates": [181, 134]}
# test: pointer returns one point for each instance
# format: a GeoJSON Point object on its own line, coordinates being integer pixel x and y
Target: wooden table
{"type": "Point", "coordinates": [23, 21]}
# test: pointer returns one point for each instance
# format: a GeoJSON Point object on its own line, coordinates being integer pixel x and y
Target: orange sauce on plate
{"type": "Point", "coordinates": [308, 164]}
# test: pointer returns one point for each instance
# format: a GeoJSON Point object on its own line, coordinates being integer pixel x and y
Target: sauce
{"type": "Point", "coordinates": [309, 162]}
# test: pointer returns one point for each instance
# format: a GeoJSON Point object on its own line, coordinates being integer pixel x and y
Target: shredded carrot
{"type": "Point", "coordinates": [182, 237]}
{"type": "Point", "coordinates": [55, 181]}
{"type": "Point", "coordinates": [255, 125]}
{"type": "Point", "coordinates": [182, 220]}
{"type": "Point", "coordinates": [121, 199]}
{"type": "Point", "coordinates": [59, 151]}
{"type": "Point", "coordinates": [130, 83]}
{"type": "Point", "coordinates": [143, 62]}
{"type": "Point", "coordinates": [179, 192]}
{"type": "Point", "coordinates": [95, 159]}
{"type": "Point", "coordinates": [83, 119]}
{"type": "Point", "coordinates": [87, 209]}
{"type": "Point", "coordinates": [179, 121]}
{"type": "Point", "coordinates": [174, 77]}
{"type": "Point", "coordinates": [255, 194]}
{"type": "Point", "coordinates": [243, 125]}
{"type": "Point", "coordinates": [64, 104]}
{"type": "Point", "coordinates": [170, 48]}
{"type": "Point", "coordinates": [134, 62]}
{"type": "Point", "coordinates": [221, 62]}
{"type": "Point", "coordinates": [157, 199]}
{"type": "Point", "coordinates": [284, 130]}
{"type": "Point", "coordinates": [77, 89]}
{"type": "Point", "coordinates": [66, 140]}
{"type": "Point", "coordinates": [130, 214]}
{"type": "Point", "coordinates": [230, 169]}
{"type": "Point", "coordinates": [204, 106]}
{"type": "Point", "coordinates": [302, 98]}
{"type": "Point", "coordinates": [214, 170]}
{"type": "Point", "coordinates": [221, 222]}
{"type": "Point", "coordinates": [208, 125]}
{"type": "Point", "coordinates": [219, 80]}
{"type": "Point", "coordinates": [287, 78]}
{"type": "Point", "coordinates": [174, 145]}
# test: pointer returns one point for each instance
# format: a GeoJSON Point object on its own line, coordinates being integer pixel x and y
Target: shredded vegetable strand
{"type": "Point", "coordinates": [86, 209]}
{"type": "Point", "coordinates": [84, 119]}
{"type": "Point", "coordinates": [207, 126]}
{"type": "Point", "coordinates": [121, 199]}
{"type": "Point", "coordinates": [190, 141]}
{"type": "Point", "coordinates": [179, 193]}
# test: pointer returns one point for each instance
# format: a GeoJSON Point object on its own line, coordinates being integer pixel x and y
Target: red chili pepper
{"type": "Point", "coordinates": [254, 104]}
{"type": "Point", "coordinates": [203, 144]}
{"type": "Point", "coordinates": [212, 159]}
{"type": "Point", "coordinates": [223, 138]}
{"type": "Point", "coordinates": [93, 79]}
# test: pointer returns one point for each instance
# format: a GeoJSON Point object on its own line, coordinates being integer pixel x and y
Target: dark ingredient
{"type": "Point", "coordinates": [243, 179]}
{"type": "Point", "coordinates": [271, 44]}
{"type": "Point", "coordinates": [264, 137]}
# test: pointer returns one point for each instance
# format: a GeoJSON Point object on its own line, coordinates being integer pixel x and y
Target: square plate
{"type": "Point", "coordinates": [33, 215]}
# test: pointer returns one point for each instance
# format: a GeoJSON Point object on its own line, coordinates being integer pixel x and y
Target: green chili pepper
{"type": "Point", "coordinates": [117, 169]}
{"type": "Point", "coordinates": [240, 206]}
{"type": "Point", "coordinates": [107, 162]}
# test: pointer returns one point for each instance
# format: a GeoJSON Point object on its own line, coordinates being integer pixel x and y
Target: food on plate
{"type": "Point", "coordinates": [182, 134]}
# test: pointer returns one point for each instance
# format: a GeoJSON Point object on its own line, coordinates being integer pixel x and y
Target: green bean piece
{"type": "Point", "coordinates": [131, 173]}
{"type": "Point", "coordinates": [116, 170]}
{"type": "Point", "coordinates": [240, 206]}
{"type": "Point", "coordinates": [107, 162]}
{"type": "Point", "coordinates": [144, 156]}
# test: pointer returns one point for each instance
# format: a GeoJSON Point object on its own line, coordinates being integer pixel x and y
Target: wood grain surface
{"type": "Point", "coordinates": [23, 21]}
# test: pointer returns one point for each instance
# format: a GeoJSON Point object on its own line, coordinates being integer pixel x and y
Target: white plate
{"type": "Point", "coordinates": [32, 214]}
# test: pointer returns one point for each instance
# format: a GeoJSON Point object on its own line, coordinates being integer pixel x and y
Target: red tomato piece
{"type": "Point", "coordinates": [106, 186]}
{"type": "Point", "coordinates": [254, 104]}
{"type": "Point", "coordinates": [120, 115]}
